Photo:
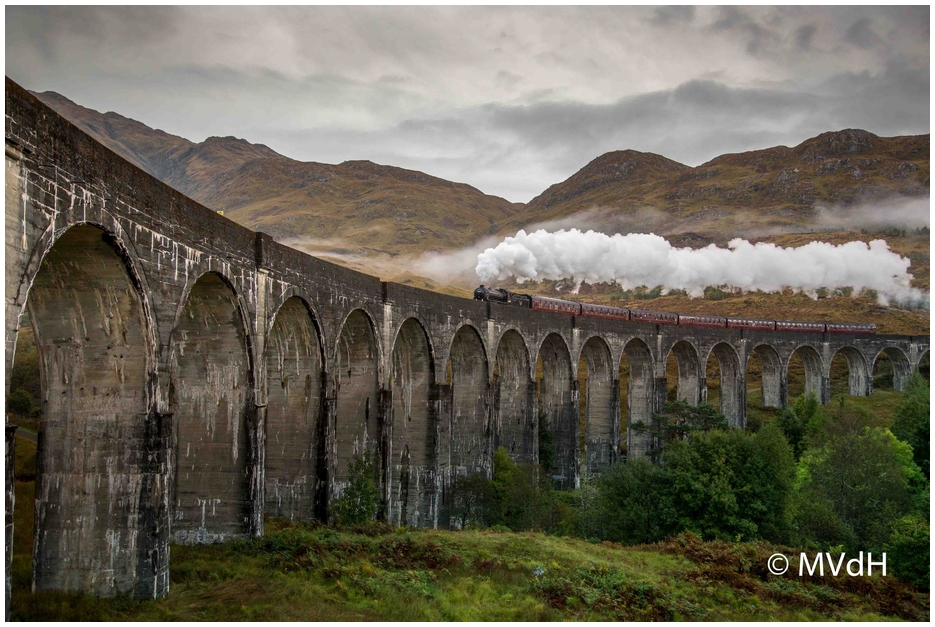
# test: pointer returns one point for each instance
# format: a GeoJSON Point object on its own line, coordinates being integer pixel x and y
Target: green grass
{"type": "Point", "coordinates": [313, 572]}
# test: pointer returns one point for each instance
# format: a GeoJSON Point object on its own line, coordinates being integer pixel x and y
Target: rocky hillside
{"type": "Point", "coordinates": [355, 206]}
{"type": "Point", "coordinates": [737, 193]}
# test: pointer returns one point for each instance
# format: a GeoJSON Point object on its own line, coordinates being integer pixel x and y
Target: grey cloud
{"type": "Point", "coordinates": [420, 87]}
{"type": "Point", "coordinates": [804, 35]}
{"type": "Point", "coordinates": [733, 19]}
{"type": "Point", "coordinates": [861, 34]}
{"type": "Point", "coordinates": [518, 151]}
{"type": "Point", "coordinates": [663, 16]}
{"type": "Point", "coordinates": [507, 79]}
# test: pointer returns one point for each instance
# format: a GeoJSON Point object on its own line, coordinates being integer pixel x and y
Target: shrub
{"type": "Point", "coordinates": [469, 500]}
{"type": "Point", "coordinates": [358, 503]}
{"type": "Point", "coordinates": [676, 421]}
{"type": "Point", "coordinates": [912, 423]}
{"type": "Point", "coordinates": [908, 550]}
{"type": "Point", "coordinates": [634, 503]}
{"type": "Point", "coordinates": [516, 502]}
{"type": "Point", "coordinates": [19, 403]}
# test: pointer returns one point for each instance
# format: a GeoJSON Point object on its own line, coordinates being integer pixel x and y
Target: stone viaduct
{"type": "Point", "coordinates": [198, 376]}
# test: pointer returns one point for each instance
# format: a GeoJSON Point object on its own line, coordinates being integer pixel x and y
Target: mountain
{"type": "Point", "coordinates": [382, 219]}
{"type": "Point", "coordinates": [630, 190]}
{"type": "Point", "coordinates": [355, 206]}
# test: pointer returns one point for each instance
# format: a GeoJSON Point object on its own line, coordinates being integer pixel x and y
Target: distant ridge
{"type": "Point", "coordinates": [370, 208]}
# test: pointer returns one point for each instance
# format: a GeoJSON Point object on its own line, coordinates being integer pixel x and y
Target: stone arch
{"type": "Point", "coordinates": [858, 372]}
{"type": "Point", "coordinates": [772, 379]}
{"type": "Point", "coordinates": [732, 397]}
{"type": "Point", "coordinates": [902, 370]}
{"type": "Point", "coordinates": [557, 407]}
{"type": "Point", "coordinates": [639, 383]}
{"type": "Point", "coordinates": [357, 420]}
{"type": "Point", "coordinates": [599, 405]}
{"type": "Point", "coordinates": [811, 361]}
{"type": "Point", "coordinates": [95, 507]}
{"type": "Point", "coordinates": [514, 399]}
{"type": "Point", "coordinates": [922, 366]}
{"type": "Point", "coordinates": [413, 443]}
{"type": "Point", "coordinates": [211, 397]}
{"type": "Point", "coordinates": [690, 373]}
{"type": "Point", "coordinates": [294, 476]}
{"type": "Point", "coordinates": [469, 403]}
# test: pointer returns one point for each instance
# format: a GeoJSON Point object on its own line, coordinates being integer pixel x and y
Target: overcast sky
{"type": "Point", "coordinates": [508, 99]}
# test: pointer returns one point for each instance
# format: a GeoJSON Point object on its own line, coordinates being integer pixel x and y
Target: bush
{"type": "Point", "coordinates": [469, 500]}
{"type": "Point", "coordinates": [908, 550]}
{"type": "Point", "coordinates": [19, 403]}
{"type": "Point", "coordinates": [634, 505]}
{"type": "Point", "coordinates": [912, 423]}
{"type": "Point", "coordinates": [730, 484]}
{"type": "Point", "coordinates": [516, 501]}
{"type": "Point", "coordinates": [358, 502]}
{"type": "Point", "coordinates": [676, 421]}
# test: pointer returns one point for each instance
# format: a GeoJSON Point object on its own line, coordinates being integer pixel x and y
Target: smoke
{"type": "Point", "coordinates": [638, 259]}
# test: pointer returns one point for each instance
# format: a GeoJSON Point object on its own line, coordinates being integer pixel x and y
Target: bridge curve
{"type": "Point", "coordinates": [294, 366]}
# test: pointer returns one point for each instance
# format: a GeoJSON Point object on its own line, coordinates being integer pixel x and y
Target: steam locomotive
{"type": "Point", "coordinates": [497, 295]}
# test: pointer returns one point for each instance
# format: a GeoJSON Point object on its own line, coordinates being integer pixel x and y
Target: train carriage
{"type": "Point", "coordinates": [850, 327]}
{"type": "Point", "coordinates": [800, 327]}
{"type": "Point", "coordinates": [695, 320]}
{"type": "Point", "coordinates": [657, 317]}
{"type": "Point", "coordinates": [554, 304]}
{"type": "Point", "coordinates": [605, 311]}
{"type": "Point", "coordinates": [754, 324]}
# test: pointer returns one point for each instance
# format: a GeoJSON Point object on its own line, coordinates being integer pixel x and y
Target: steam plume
{"type": "Point", "coordinates": [639, 259]}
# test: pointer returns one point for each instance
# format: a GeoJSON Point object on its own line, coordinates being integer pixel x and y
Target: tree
{"type": "Point", "coordinates": [19, 403]}
{"type": "Point", "coordinates": [470, 499]}
{"type": "Point", "coordinates": [634, 504]}
{"type": "Point", "coordinates": [515, 501]}
{"type": "Point", "coordinates": [908, 550]}
{"type": "Point", "coordinates": [864, 478]}
{"type": "Point", "coordinates": [676, 421]}
{"type": "Point", "coordinates": [798, 420]}
{"type": "Point", "coordinates": [358, 502]}
{"type": "Point", "coordinates": [731, 484]}
{"type": "Point", "coordinates": [912, 423]}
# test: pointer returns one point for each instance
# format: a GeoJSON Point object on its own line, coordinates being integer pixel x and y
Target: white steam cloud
{"type": "Point", "coordinates": [639, 259]}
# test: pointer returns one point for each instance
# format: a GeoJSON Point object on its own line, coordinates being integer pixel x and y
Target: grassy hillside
{"type": "Point", "coordinates": [740, 193]}
{"type": "Point", "coordinates": [380, 573]}
{"type": "Point", "coordinates": [356, 205]}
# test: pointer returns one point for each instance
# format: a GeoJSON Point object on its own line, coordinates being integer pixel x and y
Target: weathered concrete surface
{"type": "Point", "coordinates": [412, 481]}
{"type": "Point", "coordinates": [209, 394]}
{"type": "Point", "coordinates": [514, 400]}
{"type": "Point", "coordinates": [181, 357]}
{"type": "Point", "coordinates": [599, 394]}
{"type": "Point", "coordinates": [294, 430]}
{"type": "Point", "coordinates": [357, 418]}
